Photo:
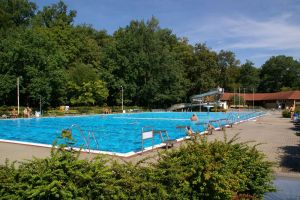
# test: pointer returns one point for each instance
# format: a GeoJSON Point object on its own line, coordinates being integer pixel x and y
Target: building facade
{"type": "Point", "coordinates": [276, 100]}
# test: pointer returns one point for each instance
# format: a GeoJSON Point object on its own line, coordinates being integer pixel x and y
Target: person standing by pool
{"type": "Point", "coordinates": [292, 110]}
{"type": "Point", "coordinates": [14, 113]}
{"type": "Point", "coordinates": [189, 131]}
{"type": "Point", "coordinates": [194, 117]}
{"type": "Point", "coordinates": [28, 111]}
{"type": "Point", "coordinates": [210, 128]}
{"type": "Point", "coordinates": [25, 112]}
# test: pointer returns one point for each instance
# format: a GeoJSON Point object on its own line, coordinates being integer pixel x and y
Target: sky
{"type": "Point", "coordinates": [254, 30]}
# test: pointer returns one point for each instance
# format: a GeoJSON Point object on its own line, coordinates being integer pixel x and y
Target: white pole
{"type": "Point", "coordinates": [244, 99]}
{"type": "Point", "coordinates": [234, 97]}
{"type": "Point", "coordinates": [18, 95]}
{"type": "Point", "coordinates": [239, 98]}
{"type": "Point", "coordinates": [122, 97]}
{"type": "Point", "coordinates": [40, 104]}
{"type": "Point", "coordinates": [252, 99]}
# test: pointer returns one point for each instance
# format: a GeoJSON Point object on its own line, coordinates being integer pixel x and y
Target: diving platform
{"type": "Point", "coordinates": [201, 100]}
{"type": "Point", "coordinates": [215, 92]}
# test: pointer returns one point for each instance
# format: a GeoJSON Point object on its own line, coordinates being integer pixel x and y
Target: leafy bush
{"type": "Point", "coordinates": [198, 170]}
{"type": "Point", "coordinates": [62, 176]}
{"type": "Point", "coordinates": [215, 170]}
{"type": "Point", "coordinates": [286, 114]}
{"type": "Point", "coordinates": [297, 109]}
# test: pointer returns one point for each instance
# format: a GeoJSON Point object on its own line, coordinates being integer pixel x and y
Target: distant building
{"type": "Point", "coordinates": [267, 100]}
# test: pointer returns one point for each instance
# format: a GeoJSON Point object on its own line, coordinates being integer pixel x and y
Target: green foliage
{"type": "Point", "coordinates": [198, 170]}
{"type": "Point", "coordinates": [67, 134]}
{"type": "Point", "coordinates": [14, 13]}
{"type": "Point", "coordinates": [229, 70]}
{"type": "Point", "coordinates": [55, 15]}
{"type": "Point", "coordinates": [249, 76]}
{"type": "Point", "coordinates": [142, 60]}
{"type": "Point", "coordinates": [61, 63]}
{"type": "Point", "coordinates": [88, 93]}
{"type": "Point", "coordinates": [205, 72]}
{"type": "Point", "coordinates": [297, 109]}
{"type": "Point", "coordinates": [7, 85]}
{"type": "Point", "coordinates": [279, 72]}
{"type": "Point", "coordinates": [286, 114]}
{"type": "Point", "coordinates": [216, 170]}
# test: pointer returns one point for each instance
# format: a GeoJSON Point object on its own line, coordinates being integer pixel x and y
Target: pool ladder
{"type": "Point", "coordinates": [86, 137]}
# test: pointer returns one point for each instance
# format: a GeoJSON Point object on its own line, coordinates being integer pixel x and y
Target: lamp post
{"type": "Point", "coordinates": [252, 99]}
{"type": "Point", "coordinates": [244, 100]}
{"type": "Point", "coordinates": [122, 97]}
{"type": "Point", "coordinates": [18, 94]}
{"type": "Point", "coordinates": [40, 105]}
{"type": "Point", "coordinates": [234, 97]}
{"type": "Point", "coordinates": [239, 98]}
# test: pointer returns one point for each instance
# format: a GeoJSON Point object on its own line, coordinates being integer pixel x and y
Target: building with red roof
{"type": "Point", "coordinates": [268, 100]}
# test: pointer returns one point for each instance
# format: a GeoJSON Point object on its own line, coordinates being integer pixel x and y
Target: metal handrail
{"type": "Point", "coordinates": [93, 135]}
{"type": "Point", "coordinates": [87, 140]}
{"type": "Point", "coordinates": [81, 133]}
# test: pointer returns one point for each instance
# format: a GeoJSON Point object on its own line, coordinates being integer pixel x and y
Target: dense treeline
{"type": "Point", "coordinates": [198, 170]}
{"type": "Point", "coordinates": [77, 65]}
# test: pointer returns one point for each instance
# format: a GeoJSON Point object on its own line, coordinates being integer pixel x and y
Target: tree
{"type": "Point", "coordinates": [7, 86]}
{"type": "Point", "coordinates": [55, 15]}
{"type": "Point", "coordinates": [185, 55]}
{"type": "Point", "coordinates": [204, 73]}
{"type": "Point", "coordinates": [14, 13]}
{"type": "Point", "coordinates": [34, 56]}
{"type": "Point", "coordinates": [249, 76]}
{"type": "Point", "coordinates": [278, 72]}
{"type": "Point", "coordinates": [87, 93]}
{"type": "Point", "coordinates": [229, 67]}
{"type": "Point", "coordinates": [141, 59]}
{"type": "Point", "coordinates": [43, 54]}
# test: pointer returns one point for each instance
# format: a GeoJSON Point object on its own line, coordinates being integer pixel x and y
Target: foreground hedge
{"type": "Point", "coordinates": [198, 170]}
{"type": "Point", "coordinates": [215, 170]}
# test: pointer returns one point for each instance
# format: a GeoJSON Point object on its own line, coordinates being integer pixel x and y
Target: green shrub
{"type": "Point", "coordinates": [286, 114]}
{"type": "Point", "coordinates": [297, 109]}
{"type": "Point", "coordinates": [61, 176]}
{"type": "Point", "coordinates": [215, 170]}
{"type": "Point", "coordinates": [198, 170]}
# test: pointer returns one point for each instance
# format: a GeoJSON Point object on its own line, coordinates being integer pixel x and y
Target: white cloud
{"type": "Point", "coordinates": [275, 34]}
{"type": "Point", "coordinates": [243, 33]}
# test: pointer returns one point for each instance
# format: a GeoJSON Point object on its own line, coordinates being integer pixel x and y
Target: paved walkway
{"type": "Point", "coordinates": [277, 138]}
{"type": "Point", "coordinates": [280, 144]}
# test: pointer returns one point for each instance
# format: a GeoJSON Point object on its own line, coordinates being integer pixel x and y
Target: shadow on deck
{"type": "Point", "coordinates": [291, 158]}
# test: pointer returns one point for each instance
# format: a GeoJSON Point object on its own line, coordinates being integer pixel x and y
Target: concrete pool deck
{"type": "Point", "coordinates": [279, 143]}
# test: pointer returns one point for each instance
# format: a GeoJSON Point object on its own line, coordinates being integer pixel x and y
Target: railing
{"type": "Point", "coordinates": [179, 106]}
{"type": "Point", "coordinates": [86, 137]}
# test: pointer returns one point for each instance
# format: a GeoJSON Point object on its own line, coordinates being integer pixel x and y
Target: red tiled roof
{"type": "Point", "coordinates": [290, 95]}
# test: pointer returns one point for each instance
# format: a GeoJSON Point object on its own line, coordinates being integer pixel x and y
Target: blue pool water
{"type": "Point", "coordinates": [119, 133]}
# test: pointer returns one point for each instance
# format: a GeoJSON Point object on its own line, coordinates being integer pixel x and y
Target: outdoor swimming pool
{"type": "Point", "coordinates": [117, 133]}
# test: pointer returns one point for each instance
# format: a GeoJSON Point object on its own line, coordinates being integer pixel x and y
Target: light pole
{"type": "Point", "coordinates": [244, 100]}
{"type": "Point", "coordinates": [252, 99]}
{"type": "Point", "coordinates": [40, 105]}
{"type": "Point", "coordinates": [239, 98]}
{"type": "Point", "coordinates": [122, 97]}
{"type": "Point", "coordinates": [234, 97]}
{"type": "Point", "coordinates": [18, 94]}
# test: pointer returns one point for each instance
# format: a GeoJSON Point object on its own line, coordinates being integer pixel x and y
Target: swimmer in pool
{"type": "Point", "coordinates": [194, 117]}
